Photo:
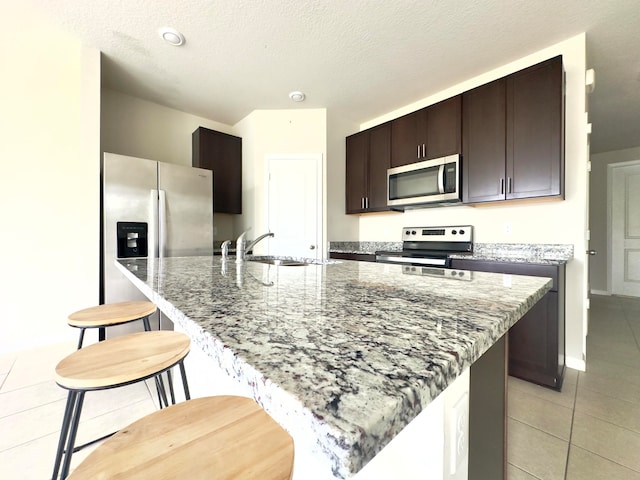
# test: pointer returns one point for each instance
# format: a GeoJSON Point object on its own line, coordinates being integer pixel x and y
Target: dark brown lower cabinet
{"type": "Point", "coordinates": [537, 340]}
{"type": "Point", "coordinates": [361, 257]}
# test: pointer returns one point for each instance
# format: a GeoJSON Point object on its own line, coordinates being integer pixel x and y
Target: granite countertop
{"type": "Point", "coordinates": [346, 353]}
{"type": "Point", "coordinates": [537, 253]}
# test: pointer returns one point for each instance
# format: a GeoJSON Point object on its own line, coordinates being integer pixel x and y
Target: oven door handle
{"type": "Point", "coordinates": [441, 262]}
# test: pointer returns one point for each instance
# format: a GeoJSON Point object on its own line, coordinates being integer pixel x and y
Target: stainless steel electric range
{"type": "Point", "coordinates": [430, 246]}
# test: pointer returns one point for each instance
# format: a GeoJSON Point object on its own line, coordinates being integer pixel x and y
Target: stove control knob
{"type": "Point", "coordinates": [461, 232]}
{"type": "Point", "coordinates": [408, 232]}
{"type": "Point", "coordinates": [453, 232]}
{"type": "Point", "coordinates": [413, 232]}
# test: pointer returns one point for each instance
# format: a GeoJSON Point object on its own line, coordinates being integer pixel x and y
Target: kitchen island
{"type": "Point", "coordinates": [344, 355]}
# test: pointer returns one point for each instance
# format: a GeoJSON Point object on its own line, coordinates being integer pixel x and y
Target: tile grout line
{"type": "Point", "coordinates": [573, 414]}
{"type": "Point", "coordinates": [624, 312]}
{"type": "Point", "coordinates": [525, 471]}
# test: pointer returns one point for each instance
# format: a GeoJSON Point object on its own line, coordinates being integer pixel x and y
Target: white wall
{"type": "Point", "coordinates": [49, 185]}
{"type": "Point", "coordinates": [136, 127]}
{"type": "Point", "coordinates": [278, 132]}
{"type": "Point", "coordinates": [340, 227]}
{"type": "Point", "coordinates": [599, 264]}
{"type": "Point", "coordinates": [533, 221]}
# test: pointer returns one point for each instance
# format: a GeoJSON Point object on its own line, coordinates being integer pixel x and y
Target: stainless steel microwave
{"type": "Point", "coordinates": [434, 181]}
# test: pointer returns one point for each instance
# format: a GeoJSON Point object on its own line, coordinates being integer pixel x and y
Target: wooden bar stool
{"type": "Point", "coordinates": [221, 438]}
{"type": "Point", "coordinates": [113, 363]}
{"type": "Point", "coordinates": [111, 314]}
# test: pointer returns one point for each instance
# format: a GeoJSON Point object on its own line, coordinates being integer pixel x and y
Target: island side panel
{"type": "Point", "coordinates": [488, 413]}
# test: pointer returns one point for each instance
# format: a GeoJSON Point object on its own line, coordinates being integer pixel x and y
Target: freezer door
{"type": "Point", "coordinates": [185, 210]}
{"type": "Point", "coordinates": [129, 195]}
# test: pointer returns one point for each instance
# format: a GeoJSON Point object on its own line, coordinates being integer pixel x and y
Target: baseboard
{"type": "Point", "coordinates": [600, 292]}
{"type": "Point", "coordinates": [576, 364]}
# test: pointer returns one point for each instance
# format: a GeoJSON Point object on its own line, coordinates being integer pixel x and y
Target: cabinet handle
{"type": "Point", "coordinates": [509, 188]}
{"type": "Point", "coordinates": [366, 202]}
{"type": "Point", "coordinates": [424, 151]}
{"type": "Point", "coordinates": [362, 203]}
{"type": "Point", "coordinates": [418, 156]}
{"type": "Point", "coordinates": [502, 186]}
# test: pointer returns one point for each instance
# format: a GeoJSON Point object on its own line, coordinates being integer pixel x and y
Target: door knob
{"type": "Point", "coordinates": [312, 247]}
{"type": "Point", "coordinates": [592, 252]}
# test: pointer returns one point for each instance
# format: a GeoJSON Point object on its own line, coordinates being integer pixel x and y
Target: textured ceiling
{"type": "Point", "coordinates": [358, 58]}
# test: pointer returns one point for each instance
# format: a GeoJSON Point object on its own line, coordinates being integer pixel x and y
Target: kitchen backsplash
{"type": "Point", "coordinates": [516, 252]}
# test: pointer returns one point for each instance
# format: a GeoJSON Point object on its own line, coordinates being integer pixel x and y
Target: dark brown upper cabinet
{"type": "Point", "coordinates": [484, 142]}
{"type": "Point", "coordinates": [367, 160]}
{"type": "Point", "coordinates": [431, 132]}
{"type": "Point", "coordinates": [513, 136]}
{"type": "Point", "coordinates": [221, 153]}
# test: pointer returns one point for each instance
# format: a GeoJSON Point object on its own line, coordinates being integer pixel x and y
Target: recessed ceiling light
{"type": "Point", "coordinates": [297, 96]}
{"type": "Point", "coordinates": [172, 36]}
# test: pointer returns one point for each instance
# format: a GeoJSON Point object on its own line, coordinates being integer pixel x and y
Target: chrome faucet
{"type": "Point", "coordinates": [225, 249]}
{"type": "Point", "coordinates": [242, 248]}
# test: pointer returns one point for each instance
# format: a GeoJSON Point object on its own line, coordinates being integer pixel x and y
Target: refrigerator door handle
{"type": "Point", "coordinates": [153, 228]}
{"type": "Point", "coordinates": [162, 223]}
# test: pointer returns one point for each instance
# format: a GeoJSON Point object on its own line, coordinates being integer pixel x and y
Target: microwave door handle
{"type": "Point", "coordinates": [441, 178]}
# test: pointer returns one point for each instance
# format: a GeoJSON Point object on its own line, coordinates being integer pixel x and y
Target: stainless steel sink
{"type": "Point", "coordinates": [288, 261]}
{"type": "Point", "coordinates": [279, 261]}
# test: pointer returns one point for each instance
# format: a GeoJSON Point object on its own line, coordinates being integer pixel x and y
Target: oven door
{"type": "Point", "coordinates": [431, 181]}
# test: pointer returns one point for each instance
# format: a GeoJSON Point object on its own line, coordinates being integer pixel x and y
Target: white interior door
{"type": "Point", "coordinates": [294, 207]}
{"type": "Point", "coordinates": [625, 230]}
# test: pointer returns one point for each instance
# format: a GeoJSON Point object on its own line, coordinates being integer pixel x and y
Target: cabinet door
{"type": "Point", "coordinates": [535, 131]}
{"type": "Point", "coordinates": [533, 343]}
{"type": "Point", "coordinates": [483, 143]}
{"type": "Point", "coordinates": [357, 150]}
{"type": "Point", "coordinates": [379, 162]}
{"type": "Point", "coordinates": [444, 128]}
{"type": "Point", "coordinates": [404, 139]}
{"type": "Point", "coordinates": [536, 341]}
{"type": "Point", "coordinates": [221, 153]}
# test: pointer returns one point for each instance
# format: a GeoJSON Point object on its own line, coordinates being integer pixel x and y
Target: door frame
{"type": "Point", "coordinates": [319, 161]}
{"type": "Point", "coordinates": [610, 170]}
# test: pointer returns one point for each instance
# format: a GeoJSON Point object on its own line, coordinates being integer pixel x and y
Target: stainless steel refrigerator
{"type": "Point", "coordinates": [150, 209]}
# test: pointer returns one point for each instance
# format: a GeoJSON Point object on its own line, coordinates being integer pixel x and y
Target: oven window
{"type": "Point", "coordinates": [416, 183]}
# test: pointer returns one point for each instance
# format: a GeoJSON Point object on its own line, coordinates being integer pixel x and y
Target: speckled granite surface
{"type": "Point", "coordinates": [344, 354]}
{"type": "Point", "coordinates": [363, 247]}
{"type": "Point", "coordinates": [498, 252]}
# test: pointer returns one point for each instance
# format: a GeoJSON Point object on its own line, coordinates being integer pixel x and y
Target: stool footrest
{"type": "Point", "coordinates": [85, 445]}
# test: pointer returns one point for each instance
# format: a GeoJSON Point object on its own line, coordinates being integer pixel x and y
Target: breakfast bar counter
{"type": "Point", "coordinates": [345, 354]}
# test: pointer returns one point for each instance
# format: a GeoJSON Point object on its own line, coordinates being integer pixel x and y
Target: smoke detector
{"type": "Point", "coordinates": [297, 96]}
{"type": "Point", "coordinates": [171, 36]}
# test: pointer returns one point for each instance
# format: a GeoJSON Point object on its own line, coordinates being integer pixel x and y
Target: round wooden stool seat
{"type": "Point", "coordinates": [222, 437]}
{"type": "Point", "coordinates": [111, 314]}
{"type": "Point", "coordinates": [121, 360]}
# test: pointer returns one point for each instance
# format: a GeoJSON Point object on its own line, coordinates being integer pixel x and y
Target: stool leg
{"type": "Point", "coordinates": [162, 395]}
{"type": "Point", "coordinates": [171, 392]}
{"type": "Point", "coordinates": [72, 434]}
{"type": "Point", "coordinates": [159, 386]}
{"type": "Point", "coordinates": [81, 339]}
{"type": "Point", "coordinates": [66, 420]}
{"type": "Point", "coordinates": [184, 381]}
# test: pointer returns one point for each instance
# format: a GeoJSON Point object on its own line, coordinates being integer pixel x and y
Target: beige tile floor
{"type": "Point", "coordinates": [589, 431]}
